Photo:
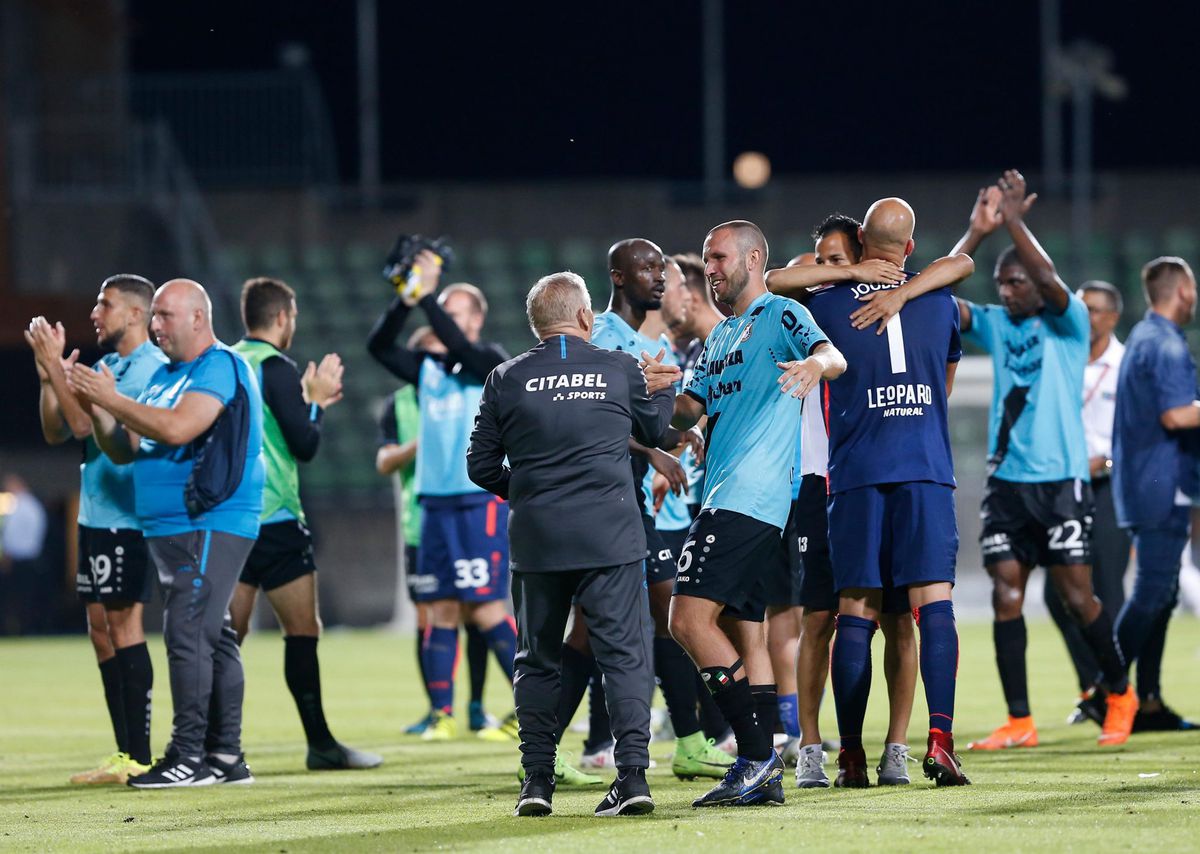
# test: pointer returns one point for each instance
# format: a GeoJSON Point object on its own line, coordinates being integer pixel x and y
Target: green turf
{"type": "Point", "coordinates": [1065, 795]}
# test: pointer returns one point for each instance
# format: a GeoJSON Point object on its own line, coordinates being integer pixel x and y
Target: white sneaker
{"type": "Point", "coordinates": [810, 770]}
{"type": "Point", "coordinates": [602, 758]}
{"type": "Point", "coordinates": [790, 754]}
{"type": "Point", "coordinates": [893, 765]}
{"type": "Point", "coordinates": [598, 760]}
{"type": "Point", "coordinates": [728, 744]}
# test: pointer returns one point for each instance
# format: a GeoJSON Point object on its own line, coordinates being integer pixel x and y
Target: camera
{"type": "Point", "coordinates": [398, 268]}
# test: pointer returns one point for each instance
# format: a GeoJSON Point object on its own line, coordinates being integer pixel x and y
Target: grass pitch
{"type": "Point", "coordinates": [1067, 794]}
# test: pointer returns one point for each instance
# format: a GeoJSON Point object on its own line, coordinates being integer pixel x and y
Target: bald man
{"type": "Point", "coordinates": [200, 525]}
{"type": "Point", "coordinates": [735, 543]}
{"type": "Point", "coordinates": [891, 515]}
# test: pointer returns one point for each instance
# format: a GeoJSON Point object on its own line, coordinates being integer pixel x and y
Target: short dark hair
{"type": "Point", "coordinates": [131, 285]}
{"type": "Point", "coordinates": [1008, 258]}
{"type": "Point", "coordinates": [692, 266]}
{"type": "Point", "coordinates": [262, 299]}
{"type": "Point", "coordinates": [843, 224]}
{"type": "Point", "coordinates": [1097, 286]}
{"type": "Point", "coordinates": [1160, 277]}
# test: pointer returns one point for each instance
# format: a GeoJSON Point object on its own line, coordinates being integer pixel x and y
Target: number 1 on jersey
{"type": "Point", "coordinates": [895, 336]}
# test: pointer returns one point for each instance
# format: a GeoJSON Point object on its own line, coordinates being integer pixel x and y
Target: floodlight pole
{"type": "Point", "coordinates": [1052, 124]}
{"type": "Point", "coordinates": [368, 102]}
{"type": "Point", "coordinates": [714, 101]}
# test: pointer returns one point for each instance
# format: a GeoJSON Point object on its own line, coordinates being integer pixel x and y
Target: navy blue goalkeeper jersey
{"type": "Point", "coordinates": [887, 412]}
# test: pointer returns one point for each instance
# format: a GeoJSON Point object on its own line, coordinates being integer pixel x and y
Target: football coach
{"type": "Point", "coordinates": [563, 413]}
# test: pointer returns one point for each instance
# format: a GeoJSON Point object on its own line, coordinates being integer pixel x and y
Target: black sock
{"type": "Point", "coordinates": [421, 664]}
{"type": "Point", "coordinates": [624, 771]}
{"type": "Point", "coordinates": [766, 709]}
{"type": "Point", "coordinates": [477, 661]}
{"type": "Point", "coordinates": [711, 720]}
{"type": "Point", "coordinates": [737, 705]}
{"type": "Point", "coordinates": [1010, 639]}
{"type": "Point", "coordinates": [675, 677]}
{"type": "Point", "coordinates": [114, 698]}
{"type": "Point", "coordinates": [1099, 635]}
{"type": "Point", "coordinates": [302, 672]}
{"type": "Point", "coordinates": [137, 682]}
{"type": "Point", "coordinates": [599, 726]}
{"type": "Point", "coordinates": [576, 671]}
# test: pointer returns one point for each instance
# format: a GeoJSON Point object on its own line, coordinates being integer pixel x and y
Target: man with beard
{"type": "Point", "coordinates": [114, 577]}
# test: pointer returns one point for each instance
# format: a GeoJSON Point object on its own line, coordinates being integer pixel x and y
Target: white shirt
{"type": "Point", "coordinates": [1100, 398]}
{"type": "Point", "coordinates": [814, 440]}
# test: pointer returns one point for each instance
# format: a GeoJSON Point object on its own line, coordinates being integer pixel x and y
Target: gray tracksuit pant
{"type": "Point", "coordinates": [616, 609]}
{"type": "Point", "coordinates": [198, 571]}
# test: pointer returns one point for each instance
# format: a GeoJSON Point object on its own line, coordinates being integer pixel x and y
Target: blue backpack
{"type": "Point", "coordinates": [219, 453]}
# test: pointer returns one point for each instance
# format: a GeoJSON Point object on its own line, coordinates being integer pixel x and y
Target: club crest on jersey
{"type": "Point", "coordinates": [746, 335]}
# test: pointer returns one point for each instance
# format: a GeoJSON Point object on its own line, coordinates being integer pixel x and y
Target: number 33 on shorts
{"type": "Point", "coordinates": [471, 573]}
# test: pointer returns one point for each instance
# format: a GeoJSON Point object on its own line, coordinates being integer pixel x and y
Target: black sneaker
{"type": "Point", "coordinates": [536, 794]}
{"type": "Point", "coordinates": [1162, 719]}
{"type": "Point", "coordinates": [852, 769]}
{"type": "Point", "coordinates": [629, 795]}
{"type": "Point", "coordinates": [1093, 706]}
{"type": "Point", "coordinates": [745, 783]}
{"type": "Point", "coordinates": [173, 772]}
{"type": "Point", "coordinates": [230, 772]}
{"type": "Point", "coordinates": [337, 756]}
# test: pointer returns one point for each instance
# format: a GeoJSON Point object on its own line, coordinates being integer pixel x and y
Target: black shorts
{"type": "Point", "coordinates": [784, 586]}
{"type": "Point", "coordinates": [1037, 524]}
{"type": "Point", "coordinates": [283, 553]}
{"type": "Point", "coordinates": [728, 558]}
{"type": "Point", "coordinates": [114, 566]}
{"type": "Point", "coordinates": [818, 592]}
{"type": "Point", "coordinates": [660, 563]}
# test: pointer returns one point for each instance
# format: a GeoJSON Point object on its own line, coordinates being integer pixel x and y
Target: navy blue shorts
{"type": "Point", "coordinates": [893, 534]}
{"type": "Point", "coordinates": [464, 553]}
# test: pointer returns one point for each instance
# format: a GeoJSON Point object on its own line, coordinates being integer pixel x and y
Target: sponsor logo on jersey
{"type": "Point", "coordinates": [557, 381]}
{"type": "Point", "coordinates": [863, 288]}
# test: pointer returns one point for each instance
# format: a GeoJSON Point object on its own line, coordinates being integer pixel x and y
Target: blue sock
{"type": "Point", "coordinates": [789, 714]}
{"type": "Point", "coordinates": [850, 667]}
{"type": "Point", "coordinates": [939, 662]}
{"type": "Point", "coordinates": [440, 654]}
{"type": "Point", "coordinates": [502, 641]}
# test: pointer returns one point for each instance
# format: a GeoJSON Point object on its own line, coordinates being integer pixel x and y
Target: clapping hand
{"type": "Point", "coordinates": [322, 384]}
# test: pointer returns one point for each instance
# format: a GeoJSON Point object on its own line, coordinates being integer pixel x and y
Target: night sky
{"type": "Point", "coordinates": [610, 90]}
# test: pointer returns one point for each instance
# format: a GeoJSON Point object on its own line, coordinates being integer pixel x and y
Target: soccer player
{"type": "Point", "coordinates": [281, 562]}
{"type": "Point", "coordinates": [1110, 542]}
{"type": "Point", "coordinates": [399, 423]}
{"type": "Point", "coordinates": [114, 577]}
{"type": "Point", "coordinates": [1038, 505]}
{"type": "Point", "coordinates": [1154, 469]}
{"type": "Point", "coordinates": [637, 271]}
{"type": "Point", "coordinates": [463, 544]}
{"type": "Point", "coordinates": [837, 245]}
{"type": "Point", "coordinates": [562, 414]}
{"type": "Point", "coordinates": [199, 551]}
{"type": "Point", "coordinates": [891, 515]}
{"type": "Point", "coordinates": [719, 601]}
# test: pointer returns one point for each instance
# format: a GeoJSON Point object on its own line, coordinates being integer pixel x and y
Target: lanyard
{"type": "Point", "coordinates": [1095, 386]}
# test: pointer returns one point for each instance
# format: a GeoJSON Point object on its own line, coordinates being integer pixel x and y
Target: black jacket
{"type": "Point", "coordinates": [563, 413]}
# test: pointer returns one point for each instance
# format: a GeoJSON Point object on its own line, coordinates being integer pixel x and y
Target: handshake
{"type": "Point", "coordinates": [415, 265]}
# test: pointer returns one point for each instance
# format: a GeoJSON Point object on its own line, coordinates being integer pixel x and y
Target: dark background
{"type": "Point", "coordinates": [569, 90]}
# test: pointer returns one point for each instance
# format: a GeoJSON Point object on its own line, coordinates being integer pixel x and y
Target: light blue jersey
{"type": "Point", "coordinates": [673, 515]}
{"type": "Point", "coordinates": [105, 488]}
{"type": "Point", "coordinates": [449, 404]}
{"type": "Point", "coordinates": [752, 427]}
{"type": "Point", "coordinates": [1035, 428]}
{"type": "Point", "coordinates": [161, 471]}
